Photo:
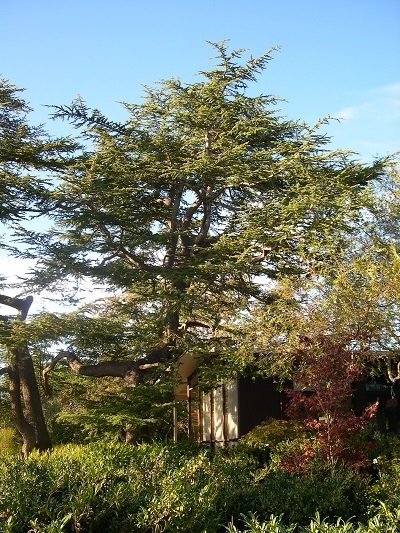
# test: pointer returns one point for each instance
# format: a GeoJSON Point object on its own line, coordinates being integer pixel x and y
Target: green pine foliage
{"type": "Point", "coordinates": [82, 410]}
{"type": "Point", "coordinates": [210, 219]}
{"type": "Point", "coordinates": [25, 150]}
{"type": "Point", "coordinates": [183, 208]}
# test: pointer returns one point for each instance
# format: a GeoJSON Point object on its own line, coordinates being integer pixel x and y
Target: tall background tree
{"type": "Point", "coordinates": [25, 151]}
{"type": "Point", "coordinates": [190, 211]}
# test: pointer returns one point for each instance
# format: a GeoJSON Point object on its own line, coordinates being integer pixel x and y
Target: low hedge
{"type": "Point", "coordinates": [113, 487]}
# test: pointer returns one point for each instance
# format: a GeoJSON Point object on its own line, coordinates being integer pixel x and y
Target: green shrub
{"type": "Point", "coordinates": [252, 524]}
{"type": "Point", "coordinates": [272, 432]}
{"type": "Point", "coordinates": [9, 440]}
{"type": "Point", "coordinates": [272, 441]}
{"type": "Point", "coordinates": [299, 497]}
{"type": "Point", "coordinates": [382, 523]}
{"type": "Point", "coordinates": [112, 487]}
{"type": "Point", "coordinates": [386, 487]}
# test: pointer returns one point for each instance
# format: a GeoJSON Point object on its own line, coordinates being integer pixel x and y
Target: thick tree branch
{"type": "Point", "coordinates": [22, 305]}
{"type": "Point", "coordinates": [205, 224]}
{"type": "Point", "coordinates": [132, 372]}
{"type": "Point", "coordinates": [120, 251]}
{"type": "Point", "coordinates": [190, 211]}
{"type": "Point", "coordinates": [25, 428]}
{"type": "Point", "coordinates": [173, 202]}
{"type": "Point", "coordinates": [205, 198]}
{"type": "Point", "coordinates": [391, 377]}
{"type": "Point", "coordinates": [133, 259]}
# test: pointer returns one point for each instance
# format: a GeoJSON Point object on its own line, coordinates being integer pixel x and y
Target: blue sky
{"type": "Point", "coordinates": [338, 58]}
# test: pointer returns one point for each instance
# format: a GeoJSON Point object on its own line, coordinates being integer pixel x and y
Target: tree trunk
{"type": "Point", "coordinates": [26, 404]}
{"type": "Point", "coordinates": [24, 428]}
{"type": "Point", "coordinates": [31, 396]}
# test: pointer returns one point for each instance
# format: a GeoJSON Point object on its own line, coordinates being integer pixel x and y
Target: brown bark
{"type": "Point", "coordinates": [391, 377]}
{"type": "Point", "coordinates": [31, 396]}
{"type": "Point", "coordinates": [132, 372]}
{"type": "Point", "coordinates": [24, 428]}
{"type": "Point", "coordinates": [26, 404]}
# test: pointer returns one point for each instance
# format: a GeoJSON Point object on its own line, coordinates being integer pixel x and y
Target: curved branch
{"type": "Point", "coordinates": [22, 305]}
{"type": "Point", "coordinates": [133, 259]}
{"type": "Point", "coordinates": [391, 377]}
{"type": "Point", "coordinates": [190, 211]}
{"type": "Point", "coordinates": [132, 372]}
{"type": "Point", "coordinates": [262, 257]}
{"type": "Point", "coordinates": [195, 324]}
{"type": "Point", "coordinates": [119, 249]}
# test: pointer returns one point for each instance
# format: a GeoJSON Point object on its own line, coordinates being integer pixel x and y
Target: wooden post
{"type": "Point", "coordinates": [175, 424]}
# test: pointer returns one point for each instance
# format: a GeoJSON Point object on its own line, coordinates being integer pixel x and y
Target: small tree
{"type": "Point", "coordinates": [321, 398]}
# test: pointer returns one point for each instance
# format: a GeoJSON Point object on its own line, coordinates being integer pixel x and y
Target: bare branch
{"type": "Point", "coordinates": [205, 224]}
{"type": "Point", "coordinates": [389, 369]}
{"type": "Point", "coordinates": [190, 211]}
{"type": "Point", "coordinates": [158, 355]}
{"type": "Point", "coordinates": [391, 377]}
{"type": "Point", "coordinates": [132, 372]}
{"type": "Point", "coordinates": [196, 324]}
{"type": "Point", "coordinates": [260, 258]}
{"type": "Point", "coordinates": [107, 368]}
{"type": "Point", "coordinates": [173, 202]}
{"type": "Point", "coordinates": [133, 259]}
{"type": "Point", "coordinates": [22, 305]}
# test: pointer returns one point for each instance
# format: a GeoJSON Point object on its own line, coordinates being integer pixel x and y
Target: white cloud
{"type": "Point", "coordinates": [391, 89]}
{"type": "Point", "coordinates": [369, 123]}
{"type": "Point", "coordinates": [346, 113]}
{"type": "Point", "coordinates": [381, 104]}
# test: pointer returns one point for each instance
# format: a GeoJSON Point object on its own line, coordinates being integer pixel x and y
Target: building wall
{"type": "Point", "coordinates": [219, 414]}
{"type": "Point", "coordinates": [258, 399]}
{"type": "Point", "coordinates": [227, 412]}
{"type": "Point", "coordinates": [232, 410]}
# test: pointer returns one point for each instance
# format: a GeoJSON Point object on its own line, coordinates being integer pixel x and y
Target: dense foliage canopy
{"type": "Point", "coordinates": [213, 221]}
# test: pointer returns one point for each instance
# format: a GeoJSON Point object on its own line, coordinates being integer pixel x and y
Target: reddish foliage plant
{"type": "Point", "coordinates": [321, 400]}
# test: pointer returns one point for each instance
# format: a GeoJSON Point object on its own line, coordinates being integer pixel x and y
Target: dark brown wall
{"type": "Point", "coordinates": [258, 399]}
